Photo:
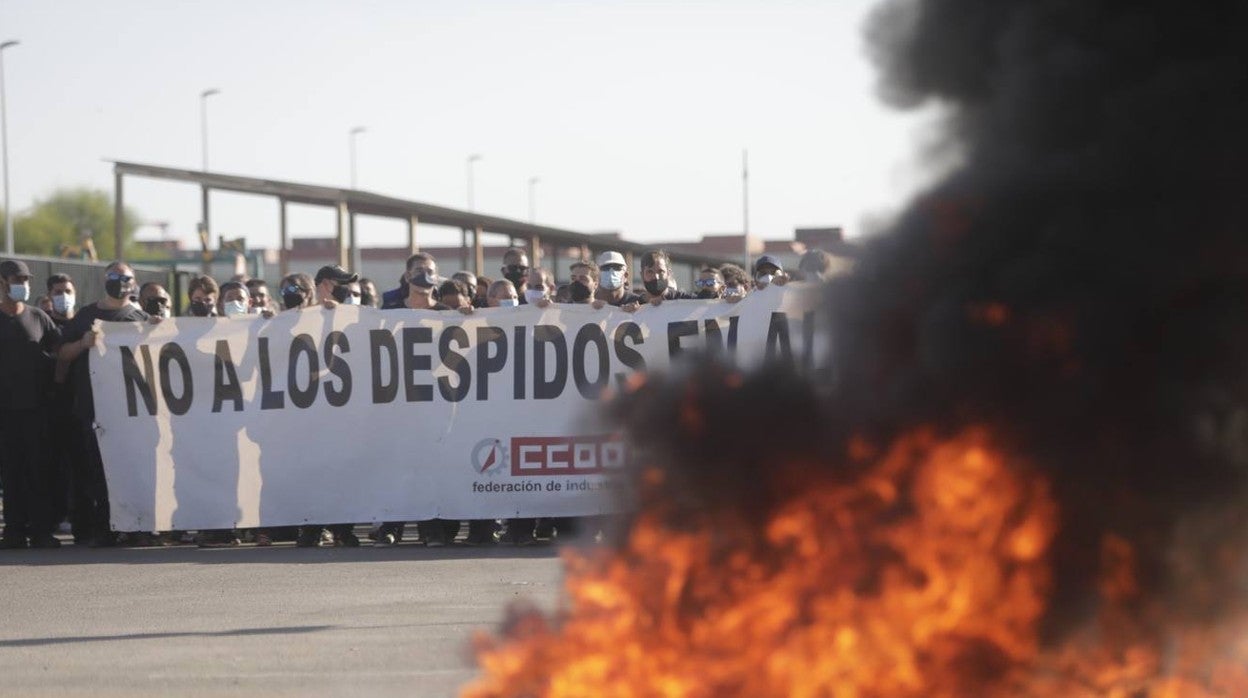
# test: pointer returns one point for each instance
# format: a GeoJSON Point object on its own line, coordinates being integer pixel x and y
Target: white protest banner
{"type": "Point", "coordinates": [357, 415]}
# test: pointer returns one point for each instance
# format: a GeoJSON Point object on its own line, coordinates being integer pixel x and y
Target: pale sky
{"type": "Point", "coordinates": [632, 114]}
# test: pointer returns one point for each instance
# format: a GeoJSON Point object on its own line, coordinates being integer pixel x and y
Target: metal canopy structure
{"type": "Point", "coordinates": [350, 202]}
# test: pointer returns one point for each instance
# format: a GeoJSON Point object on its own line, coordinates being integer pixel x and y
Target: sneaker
{"type": "Point", "coordinates": [46, 541]}
{"type": "Point", "coordinates": [525, 540]}
{"type": "Point", "coordinates": [13, 543]}
{"type": "Point", "coordinates": [347, 540]}
{"type": "Point", "coordinates": [309, 537]}
{"type": "Point", "coordinates": [385, 539]}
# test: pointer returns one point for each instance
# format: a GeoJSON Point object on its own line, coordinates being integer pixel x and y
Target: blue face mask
{"type": "Point", "coordinates": [234, 308]}
{"type": "Point", "coordinates": [612, 279]}
{"type": "Point", "coordinates": [508, 302]}
{"type": "Point", "coordinates": [19, 292]}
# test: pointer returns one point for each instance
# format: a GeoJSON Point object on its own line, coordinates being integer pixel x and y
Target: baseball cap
{"type": "Point", "coordinates": [337, 274]}
{"type": "Point", "coordinates": [14, 267]}
{"type": "Point", "coordinates": [767, 259]}
{"type": "Point", "coordinates": [611, 258]}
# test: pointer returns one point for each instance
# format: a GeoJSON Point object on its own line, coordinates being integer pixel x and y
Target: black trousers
{"type": "Point", "coordinates": [90, 484]}
{"type": "Point", "coordinates": [27, 510]}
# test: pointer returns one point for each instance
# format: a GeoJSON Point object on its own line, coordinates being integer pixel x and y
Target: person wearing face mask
{"type": "Point", "coordinates": [584, 284]}
{"type": "Point", "coordinates": [710, 283]}
{"type": "Point", "coordinates": [61, 429]}
{"type": "Point", "coordinates": [767, 271]}
{"type": "Point", "coordinates": [502, 294]}
{"type": "Point", "coordinates": [536, 287]}
{"type": "Point", "coordinates": [613, 282]}
{"type": "Point", "coordinates": [656, 276]}
{"type": "Point", "coordinates": [155, 300]}
{"type": "Point", "coordinates": [61, 293]}
{"type": "Point", "coordinates": [235, 301]}
{"type": "Point", "coordinates": [203, 293]}
{"type": "Point", "coordinates": [332, 281]}
{"type": "Point", "coordinates": [28, 339]}
{"type": "Point", "coordinates": [516, 269]}
{"type": "Point", "coordinates": [736, 282]}
{"type": "Point", "coordinates": [469, 280]}
{"type": "Point", "coordinates": [296, 291]}
{"type": "Point", "coordinates": [421, 261]}
{"type": "Point", "coordinates": [422, 294]}
{"type": "Point", "coordinates": [79, 336]}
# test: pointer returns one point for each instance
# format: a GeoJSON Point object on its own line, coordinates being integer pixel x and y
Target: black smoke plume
{"type": "Point", "coordinates": [1079, 282]}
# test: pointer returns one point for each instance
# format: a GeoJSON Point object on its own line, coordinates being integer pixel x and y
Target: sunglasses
{"type": "Point", "coordinates": [706, 283]}
{"type": "Point", "coordinates": [517, 269]}
{"type": "Point", "coordinates": [114, 276]}
{"type": "Point", "coordinates": [157, 300]}
{"type": "Point", "coordinates": [291, 289]}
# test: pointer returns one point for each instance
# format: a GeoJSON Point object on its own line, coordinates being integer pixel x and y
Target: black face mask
{"type": "Point", "coordinates": [153, 306]}
{"type": "Point", "coordinates": [201, 309]}
{"type": "Point", "coordinates": [515, 276]}
{"type": "Point", "coordinates": [292, 300]}
{"type": "Point", "coordinates": [116, 288]}
{"type": "Point", "coordinates": [578, 292]}
{"type": "Point", "coordinates": [341, 293]}
{"type": "Point", "coordinates": [708, 293]}
{"type": "Point", "coordinates": [366, 298]}
{"type": "Point", "coordinates": [654, 287]}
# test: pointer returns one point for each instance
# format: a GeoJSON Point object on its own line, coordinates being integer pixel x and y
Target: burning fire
{"type": "Point", "coordinates": [925, 573]}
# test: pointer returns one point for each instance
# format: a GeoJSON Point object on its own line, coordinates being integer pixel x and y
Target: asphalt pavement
{"type": "Point", "coordinates": [276, 621]}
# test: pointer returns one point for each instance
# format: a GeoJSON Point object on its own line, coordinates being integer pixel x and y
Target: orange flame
{"type": "Point", "coordinates": [926, 575]}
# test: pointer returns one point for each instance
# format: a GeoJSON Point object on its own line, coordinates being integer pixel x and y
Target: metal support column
{"type": "Point", "coordinates": [412, 247]}
{"type": "Point", "coordinates": [283, 239]}
{"type": "Point", "coordinates": [463, 248]}
{"type": "Point", "coordinates": [341, 234]}
{"type": "Point", "coordinates": [353, 244]}
{"type": "Point", "coordinates": [478, 252]}
{"type": "Point", "coordinates": [535, 251]}
{"type": "Point", "coordinates": [119, 216]}
{"type": "Point", "coordinates": [205, 233]}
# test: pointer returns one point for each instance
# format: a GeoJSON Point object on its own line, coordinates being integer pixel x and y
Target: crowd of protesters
{"type": "Point", "coordinates": [50, 466]}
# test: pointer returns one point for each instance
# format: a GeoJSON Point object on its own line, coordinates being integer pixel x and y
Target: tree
{"type": "Point", "coordinates": [68, 217]}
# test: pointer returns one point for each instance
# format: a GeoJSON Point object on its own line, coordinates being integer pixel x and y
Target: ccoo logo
{"type": "Point", "coordinates": [489, 456]}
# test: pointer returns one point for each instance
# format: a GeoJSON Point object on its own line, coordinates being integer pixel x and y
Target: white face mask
{"type": "Point", "coordinates": [19, 292]}
{"type": "Point", "coordinates": [508, 302]}
{"type": "Point", "coordinates": [234, 308]}
{"type": "Point", "coordinates": [764, 279]}
{"type": "Point", "coordinates": [612, 279]}
{"type": "Point", "coordinates": [352, 300]}
{"type": "Point", "coordinates": [533, 295]}
{"type": "Point", "coordinates": [63, 304]}
{"type": "Point", "coordinates": [733, 291]}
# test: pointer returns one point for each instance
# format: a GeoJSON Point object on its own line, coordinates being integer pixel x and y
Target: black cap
{"type": "Point", "coordinates": [14, 267]}
{"type": "Point", "coordinates": [336, 274]}
{"type": "Point", "coordinates": [767, 259]}
{"type": "Point", "coordinates": [424, 279]}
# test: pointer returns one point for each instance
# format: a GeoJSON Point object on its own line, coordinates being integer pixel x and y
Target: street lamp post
{"type": "Point", "coordinates": [351, 136]}
{"type": "Point", "coordinates": [203, 121]}
{"type": "Point", "coordinates": [471, 159]}
{"type": "Point", "coordinates": [533, 199]}
{"type": "Point", "coordinates": [4, 148]}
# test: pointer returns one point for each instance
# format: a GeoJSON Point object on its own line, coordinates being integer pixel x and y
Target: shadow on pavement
{"type": "Point", "coordinates": [276, 554]}
{"type": "Point", "coordinates": [42, 641]}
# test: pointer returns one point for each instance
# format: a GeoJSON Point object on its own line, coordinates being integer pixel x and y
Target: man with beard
{"type": "Point", "coordinates": [656, 276]}
{"type": "Point", "coordinates": [79, 336]}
